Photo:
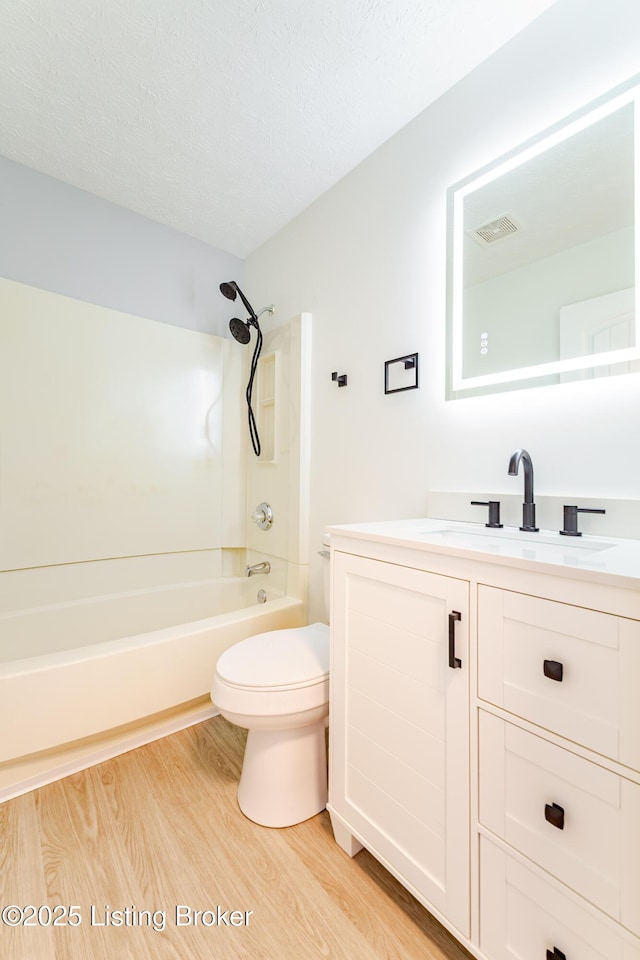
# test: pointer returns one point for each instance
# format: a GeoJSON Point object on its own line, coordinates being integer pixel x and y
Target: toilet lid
{"type": "Point", "coordinates": [296, 657]}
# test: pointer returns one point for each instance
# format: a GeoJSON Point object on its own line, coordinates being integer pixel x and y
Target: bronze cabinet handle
{"type": "Point", "coordinates": [553, 669]}
{"type": "Point", "coordinates": [454, 661]}
{"type": "Point", "coordinates": [554, 814]}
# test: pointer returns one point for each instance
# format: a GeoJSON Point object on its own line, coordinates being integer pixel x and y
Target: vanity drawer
{"type": "Point", "coordinates": [569, 669]}
{"type": "Point", "coordinates": [578, 821]}
{"type": "Point", "coordinates": [523, 917]}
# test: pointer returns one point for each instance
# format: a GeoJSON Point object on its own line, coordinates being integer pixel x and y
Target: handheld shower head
{"type": "Point", "coordinates": [230, 290]}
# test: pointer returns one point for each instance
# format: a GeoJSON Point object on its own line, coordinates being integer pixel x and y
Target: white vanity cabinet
{"type": "Point", "coordinates": [504, 792]}
{"type": "Point", "coordinates": [399, 724]}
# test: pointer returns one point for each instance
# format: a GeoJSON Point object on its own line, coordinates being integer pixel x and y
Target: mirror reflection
{"type": "Point", "coordinates": [543, 259]}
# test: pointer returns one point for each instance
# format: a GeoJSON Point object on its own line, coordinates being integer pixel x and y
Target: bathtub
{"type": "Point", "coordinates": [73, 669]}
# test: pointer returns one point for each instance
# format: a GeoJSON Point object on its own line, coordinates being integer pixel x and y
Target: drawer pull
{"type": "Point", "coordinates": [556, 955]}
{"type": "Point", "coordinates": [553, 670]}
{"type": "Point", "coordinates": [554, 814]}
{"type": "Point", "coordinates": [453, 660]}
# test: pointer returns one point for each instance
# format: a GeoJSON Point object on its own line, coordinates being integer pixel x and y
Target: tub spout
{"type": "Point", "coordinates": [263, 567]}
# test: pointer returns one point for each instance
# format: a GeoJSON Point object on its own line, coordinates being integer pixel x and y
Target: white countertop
{"type": "Point", "coordinates": [604, 558]}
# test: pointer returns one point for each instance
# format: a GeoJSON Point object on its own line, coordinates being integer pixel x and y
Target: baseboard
{"type": "Point", "coordinates": [28, 773]}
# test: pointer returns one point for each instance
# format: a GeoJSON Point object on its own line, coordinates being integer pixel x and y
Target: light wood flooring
{"type": "Point", "coordinates": [160, 826]}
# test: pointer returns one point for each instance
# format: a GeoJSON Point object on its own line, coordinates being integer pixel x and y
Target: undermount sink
{"type": "Point", "coordinates": [460, 538]}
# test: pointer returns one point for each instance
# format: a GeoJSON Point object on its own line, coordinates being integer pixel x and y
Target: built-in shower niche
{"type": "Point", "coordinates": [267, 403]}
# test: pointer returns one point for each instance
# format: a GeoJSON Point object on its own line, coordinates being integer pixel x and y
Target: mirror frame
{"type": "Point", "coordinates": [457, 385]}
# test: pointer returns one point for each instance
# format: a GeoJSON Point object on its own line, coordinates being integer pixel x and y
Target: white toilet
{"type": "Point", "coordinates": [276, 685]}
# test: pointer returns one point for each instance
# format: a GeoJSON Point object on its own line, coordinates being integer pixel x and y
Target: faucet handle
{"type": "Point", "coordinates": [494, 511]}
{"type": "Point", "coordinates": [570, 520]}
{"type": "Point", "coordinates": [263, 515]}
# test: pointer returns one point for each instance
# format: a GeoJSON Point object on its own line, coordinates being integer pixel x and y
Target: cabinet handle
{"type": "Point", "coordinates": [453, 660]}
{"type": "Point", "coordinates": [554, 814]}
{"type": "Point", "coordinates": [556, 955]}
{"type": "Point", "coordinates": [553, 670]}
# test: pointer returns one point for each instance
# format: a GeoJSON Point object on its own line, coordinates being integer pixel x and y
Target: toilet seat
{"type": "Point", "coordinates": [274, 674]}
{"type": "Point", "coordinates": [279, 660]}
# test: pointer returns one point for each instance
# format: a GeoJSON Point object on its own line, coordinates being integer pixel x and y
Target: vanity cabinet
{"type": "Point", "coordinates": [504, 792]}
{"type": "Point", "coordinates": [399, 724]}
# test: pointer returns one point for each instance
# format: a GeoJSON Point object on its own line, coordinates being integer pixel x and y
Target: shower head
{"type": "Point", "coordinates": [239, 330]}
{"type": "Point", "coordinates": [230, 290]}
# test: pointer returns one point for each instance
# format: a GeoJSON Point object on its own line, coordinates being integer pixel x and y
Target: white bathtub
{"type": "Point", "coordinates": [74, 669]}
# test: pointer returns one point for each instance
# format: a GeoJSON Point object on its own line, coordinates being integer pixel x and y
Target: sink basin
{"type": "Point", "coordinates": [460, 538]}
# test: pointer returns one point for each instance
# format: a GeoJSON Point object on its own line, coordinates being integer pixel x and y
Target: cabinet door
{"type": "Point", "coordinates": [400, 723]}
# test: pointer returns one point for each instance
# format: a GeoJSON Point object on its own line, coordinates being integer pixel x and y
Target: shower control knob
{"type": "Point", "coordinates": [263, 516]}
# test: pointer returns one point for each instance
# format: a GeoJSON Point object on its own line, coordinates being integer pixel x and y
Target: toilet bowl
{"type": "Point", "coordinates": [276, 684]}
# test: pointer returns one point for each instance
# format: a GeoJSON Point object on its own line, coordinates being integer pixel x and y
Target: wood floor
{"type": "Point", "coordinates": [159, 827]}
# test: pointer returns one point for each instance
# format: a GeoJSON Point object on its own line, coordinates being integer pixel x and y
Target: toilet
{"type": "Point", "coordinates": [276, 684]}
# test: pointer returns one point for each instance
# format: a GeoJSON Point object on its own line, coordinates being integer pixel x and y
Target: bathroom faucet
{"type": "Point", "coordinates": [263, 567]}
{"type": "Point", "coordinates": [528, 507]}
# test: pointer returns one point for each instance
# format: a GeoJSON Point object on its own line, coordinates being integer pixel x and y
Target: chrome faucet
{"type": "Point", "coordinates": [263, 567]}
{"type": "Point", "coordinates": [528, 507]}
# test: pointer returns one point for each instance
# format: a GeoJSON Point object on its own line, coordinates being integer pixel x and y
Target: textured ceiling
{"type": "Point", "coordinates": [226, 118]}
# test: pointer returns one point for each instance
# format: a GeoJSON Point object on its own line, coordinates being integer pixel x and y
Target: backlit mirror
{"type": "Point", "coordinates": [543, 257]}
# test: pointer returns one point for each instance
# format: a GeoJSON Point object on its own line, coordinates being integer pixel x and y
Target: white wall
{"type": "Point", "coordinates": [368, 259]}
{"type": "Point", "coordinates": [59, 238]}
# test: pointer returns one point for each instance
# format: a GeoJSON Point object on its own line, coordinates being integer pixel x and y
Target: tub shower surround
{"type": "Point", "coordinates": [112, 430]}
{"type": "Point", "coordinates": [123, 515]}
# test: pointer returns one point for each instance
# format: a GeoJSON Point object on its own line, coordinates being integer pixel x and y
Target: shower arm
{"type": "Point", "coordinates": [270, 310]}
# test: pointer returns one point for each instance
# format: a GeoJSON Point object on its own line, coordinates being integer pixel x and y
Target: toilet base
{"type": "Point", "coordinates": [284, 775]}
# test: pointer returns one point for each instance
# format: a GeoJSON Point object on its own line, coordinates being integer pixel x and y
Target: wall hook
{"type": "Point", "coordinates": [342, 379]}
